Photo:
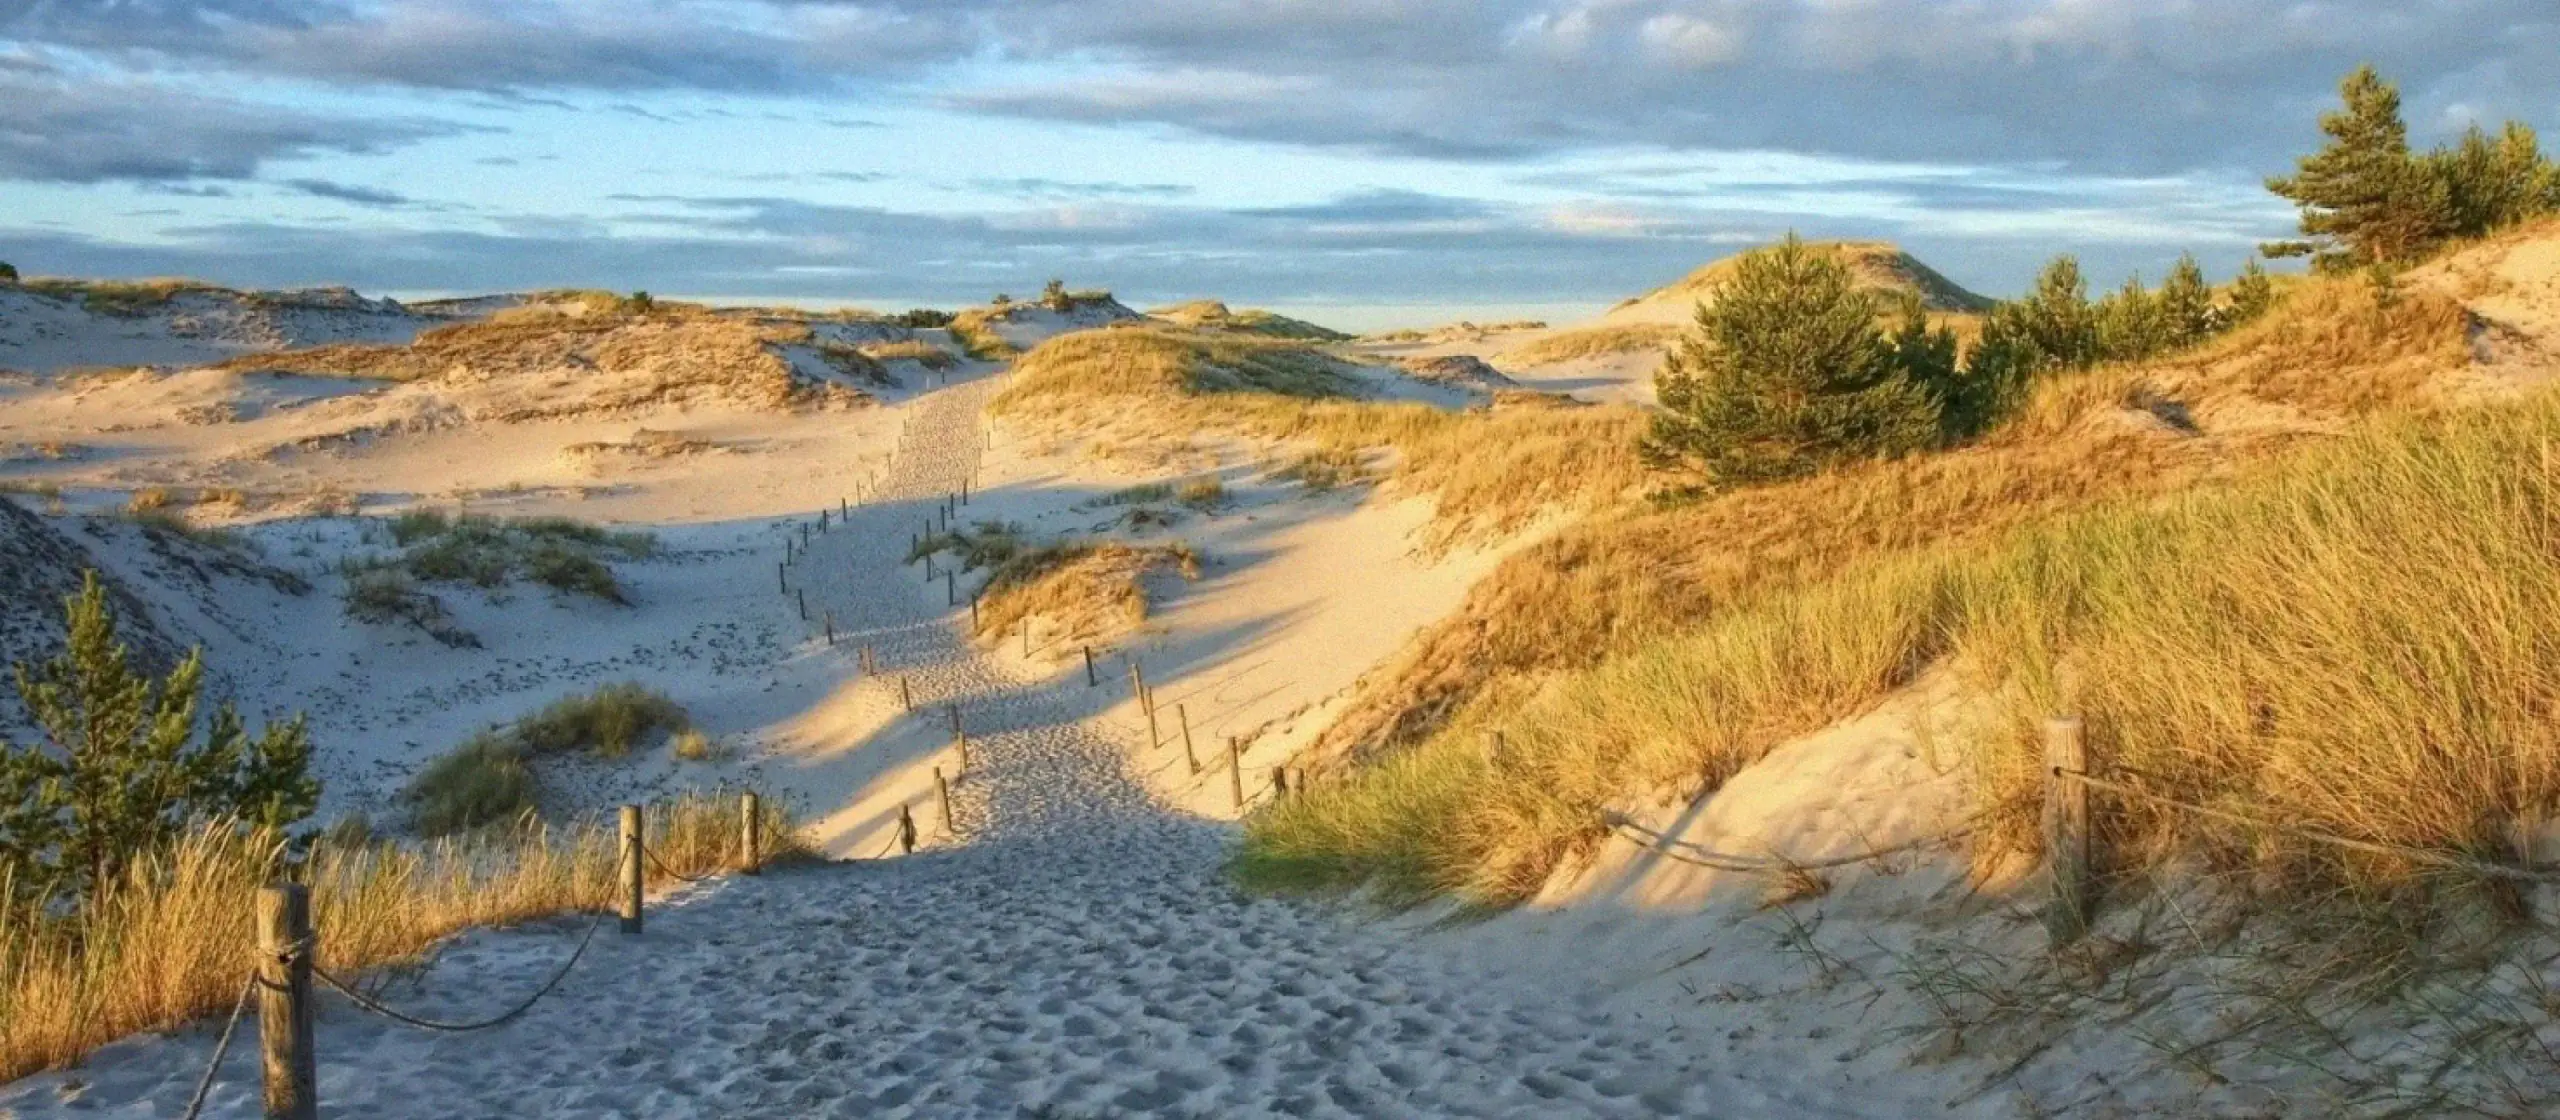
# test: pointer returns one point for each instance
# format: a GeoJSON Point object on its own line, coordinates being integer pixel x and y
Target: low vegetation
{"type": "Point", "coordinates": [1087, 591]}
{"type": "Point", "coordinates": [1209, 314]}
{"type": "Point", "coordinates": [914, 350]}
{"type": "Point", "coordinates": [974, 330]}
{"type": "Point", "coordinates": [123, 298]}
{"type": "Point", "coordinates": [1593, 342]}
{"type": "Point", "coordinates": [1490, 471]}
{"type": "Point", "coordinates": [159, 943]}
{"type": "Point", "coordinates": [490, 779]}
{"type": "Point", "coordinates": [571, 557]}
{"type": "Point", "coordinates": [2368, 201]}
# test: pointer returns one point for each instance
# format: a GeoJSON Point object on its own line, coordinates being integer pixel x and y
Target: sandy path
{"type": "Point", "coordinates": [1077, 952]}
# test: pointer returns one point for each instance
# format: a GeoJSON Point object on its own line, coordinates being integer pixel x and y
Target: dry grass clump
{"type": "Point", "coordinates": [2348, 641]}
{"type": "Point", "coordinates": [1088, 591]}
{"type": "Point", "coordinates": [914, 350]}
{"type": "Point", "coordinates": [1210, 314]}
{"type": "Point", "coordinates": [125, 298]}
{"type": "Point", "coordinates": [975, 331]}
{"type": "Point", "coordinates": [1593, 342]}
{"type": "Point", "coordinates": [489, 779]}
{"type": "Point", "coordinates": [1491, 471]}
{"type": "Point", "coordinates": [556, 552]}
{"type": "Point", "coordinates": [169, 942]}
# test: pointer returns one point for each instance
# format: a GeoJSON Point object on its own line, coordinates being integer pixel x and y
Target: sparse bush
{"type": "Point", "coordinates": [577, 573]}
{"type": "Point", "coordinates": [1054, 297]}
{"type": "Point", "coordinates": [1203, 494]}
{"type": "Point", "coordinates": [609, 721]}
{"type": "Point", "coordinates": [557, 552]}
{"type": "Point", "coordinates": [8, 273]}
{"type": "Point", "coordinates": [122, 770]}
{"type": "Point", "coordinates": [922, 317]}
{"type": "Point", "coordinates": [482, 782]}
{"type": "Point", "coordinates": [388, 596]}
{"type": "Point", "coordinates": [914, 350]}
{"type": "Point", "coordinates": [693, 745]}
{"type": "Point", "coordinates": [1329, 469]}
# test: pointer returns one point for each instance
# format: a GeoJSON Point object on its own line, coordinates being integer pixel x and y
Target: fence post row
{"type": "Point", "coordinates": [2066, 829]}
{"type": "Point", "coordinates": [629, 896]}
{"type": "Point", "coordinates": [285, 948]}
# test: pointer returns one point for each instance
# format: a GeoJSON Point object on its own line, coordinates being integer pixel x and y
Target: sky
{"type": "Point", "coordinates": [1364, 162]}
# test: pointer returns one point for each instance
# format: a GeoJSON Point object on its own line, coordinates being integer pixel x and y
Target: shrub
{"type": "Point", "coordinates": [121, 769]}
{"type": "Point", "coordinates": [1786, 374]}
{"type": "Point", "coordinates": [388, 596]}
{"type": "Point", "coordinates": [482, 782]}
{"type": "Point", "coordinates": [8, 273]}
{"type": "Point", "coordinates": [1324, 470]}
{"type": "Point", "coordinates": [609, 721]}
{"type": "Point", "coordinates": [693, 745]}
{"type": "Point", "coordinates": [922, 317]}
{"type": "Point", "coordinates": [556, 552]}
{"type": "Point", "coordinates": [1202, 494]}
{"type": "Point", "coordinates": [1054, 296]}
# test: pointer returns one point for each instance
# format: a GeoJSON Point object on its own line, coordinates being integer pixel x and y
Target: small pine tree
{"type": "Point", "coordinates": [122, 771]}
{"type": "Point", "coordinates": [1929, 359]}
{"type": "Point", "coordinates": [2493, 184]}
{"type": "Point", "coordinates": [2060, 328]}
{"type": "Point", "coordinates": [2252, 293]}
{"type": "Point", "coordinates": [2186, 305]}
{"type": "Point", "coordinates": [2363, 198]}
{"type": "Point", "coordinates": [1785, 374]}
{"type": "Point", "coordinates": [8, 273]}
{"type": "Point", "coordinates": [640, 303]}
{"type": "Point", "coordinates": [2131, 326]}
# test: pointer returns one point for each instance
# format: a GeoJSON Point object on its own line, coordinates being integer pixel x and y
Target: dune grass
{"type": "Point", "coordinates": [1490, 471]}
{"type": "Point", "coordinates": [915, 350]}
{"type": "Point", "coordinates": [975, 331]}
{"type": "Point", "coordinates": [572, 557]}
{"type": "Point", "coordinates": [171, 941]}
{"type": "Point", "coordinates": [2350, 640]}
{"type": "Point", "coordinates": [1593, 342]}
{"type": "Point", "coordinates": [489, 779]}
{"type": "Point", "coordinates": [1089, 591]}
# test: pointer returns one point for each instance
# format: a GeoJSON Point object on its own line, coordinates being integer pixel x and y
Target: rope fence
{"type": "Point", "coordinates": [287, 965]}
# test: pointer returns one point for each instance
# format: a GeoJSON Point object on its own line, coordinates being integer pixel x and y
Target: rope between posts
{"type": "Point", "coordinates": [369, 1004]}
{"type": "Point", "coordinates": [204, 1085]}
{"type": "Point", "coordinates": [1725, 861]}
{"type": "Point", "coordinates": [2422, 855]}
{"type": "Point", "coordinates": [662, 866]}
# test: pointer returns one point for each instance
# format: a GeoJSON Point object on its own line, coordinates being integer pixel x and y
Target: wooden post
{"type": "Point", "coordinates": [629, 896]}
{"type": "Point", "coordinates": [2066, 829]}
{"type": "Point", "coordinates": [1188, 755]}
{"type": "Point", "coordinates": [844, 508]}
{"type": "Point", "coordinates": [1279, 783]}
{"type": "Point", "coordinates": [950, 589]}
{"type": "Point", "coordinates": [1026, 636]}
{"type": "Point", "coordinates": [906, 831]}
{"type": "Point", "coordinates": [782, 573]}
{"type": "Point", "coordinates": [831, 629]}
{"type": "Point", "coordinates": [1235, 773]}
{"type": "Point", "coordinates": [284, 1002]}
{"type": "Point", "coordinates": [822, 521]}
{"type": "Point", "coordinates": [973, 614]}
{"type": "Point", "coordinates": [803, 594]}
{"type": "Point", "coordinates": [1092, 679]}
{"type": "Point", "coordinates": [1137, 682]}
{"type": "Point", "coordinates": [928, 567]}
{"type": "Point", "coordinates": [1155, 738]}
{"type": "Point", "coordinates": [750, 833]}
{"type": "Point", "coordinates": [906, 695]}
{"type": "Point", "coordinates": [942, 794]}
{"type": "Point", "coordinates": [960, 738]}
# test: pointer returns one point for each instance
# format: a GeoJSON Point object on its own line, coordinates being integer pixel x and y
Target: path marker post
{"type": "Point", "coordinates": [2066, 829]}
{"type": "Point", "coordinates": [906, 831]}
{"type": "Point", "coordinates": [1092, 679]}
{"type": "Point", "coordinates": [942, 794]}
{"type": "Point", "coordinates": [285, 947]}
{"type": "Point", "coordinates": [628, 898]}
{"type": "Point", "coordinates": [906, 695]}
{"type": "Point", "coordinates": [1188, 755]}
{"type": "Point", "coordinates": [950, 588]}
{"type": "Point", "coordinates": [1235, 773]}
{"type": "Point", "coordinates": [750, 833]}
{"type": "Point", "coordinates": [831, 629]}
{"type": "Point", "coordinates": [782, 576]}
{"type": "Point", "coordinates": [803, 594]}
{"type": "Point", "coordinates": [960, 738]}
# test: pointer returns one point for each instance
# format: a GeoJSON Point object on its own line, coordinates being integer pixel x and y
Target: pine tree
{"type": "Point", "coordinates": [8, 273]}
{"type": "Point", "coordinates": [2363, 198]}
{"type": "Point", "coordinates": [2058, 322]}
{"type": "Point", "coordinates": [2130, 324]}
{"type": "Point", "coordinates": [122, 770]}
{"type": "Point", "coordinates": [1054, 297]}
{"type": "Point", "coordinates": [2493, 184]}
{"type": "Point", "coordinates": [2252, 293]}
{"type": "Point", "coordinates": [1785, 374]}
{"type": "Point", "coordinates": [2186, 305]}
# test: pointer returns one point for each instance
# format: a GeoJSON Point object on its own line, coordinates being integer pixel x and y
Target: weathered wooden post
{"type": "Point", "coordinates": [2066, 828]}
{"type": "Point", "coordinates": [782, 576]}
{"type": "Point", "coordinates": [822, 521]}
{"type": "Point", "coordinates": [928, 567]}
{"type": "Point", "coordinates": [750, 833]}
{"type": "Point", "coordinates": [1137, 682]}
{"type": "Point", "coordinates": [960, 737]}
{"type": "Point", "coordinates": [285, 947]}
{"type": "Point", "coordinates": [1183, 716]}
{"type": "Point", "coordinates": [942, 794]}
{"type": "Point", "coordinates": [973, 614]}
{"type": "Point", "coordinates": [906, 694]}
{"type": "Point", "coordinates": [831, 629]}
{"type": "Point", "coordinates": [628, 898]}
{"type": "Point", "coordinates": [906, 831]}
{"type": "Point", "coordinates": [1235, 773]}
{"type": "Point", "coordinates": [1092, 679]}
{"type": "Point", "coordinates": [950, 588]}
{"type": "Point", "coordinates": [803, 594]}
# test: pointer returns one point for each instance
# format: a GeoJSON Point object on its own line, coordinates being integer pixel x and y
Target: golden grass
{"type": "Point", "coordinates": [2356, 641]}
{"type": "Point", "coordinates": [1088, 591]}
{"type": "Point", "coordinates": [1607, 584]}
{"type": "Point", "coordinates": [172, 942]}
{"type": "Point", "coordinates": [1593, 342]}
{"type": "Point", "coordinates": [914, 350]}
{"type": "Point", "coordinates": [1490, 471]}
{"type": "Point", "coordinates": [975, 331]}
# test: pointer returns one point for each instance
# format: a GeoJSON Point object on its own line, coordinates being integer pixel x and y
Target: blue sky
{"type": "Point", "coordinates": [1367, 162]}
